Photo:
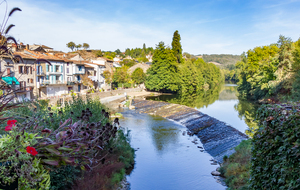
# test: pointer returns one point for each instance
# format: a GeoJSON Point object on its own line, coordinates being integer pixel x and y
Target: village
{"type": "Point", "coordinates": [65, 75]}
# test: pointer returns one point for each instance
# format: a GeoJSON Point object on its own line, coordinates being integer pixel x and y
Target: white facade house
{"type": "Point", "coordinates": [99, 67]}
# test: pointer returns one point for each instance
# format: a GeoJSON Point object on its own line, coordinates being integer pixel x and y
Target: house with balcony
{"type": "Point", "coordinates": [19, 75]}
{"type": "Point", "coordinates": [49, 78]}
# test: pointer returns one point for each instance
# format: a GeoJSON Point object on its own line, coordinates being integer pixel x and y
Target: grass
{"type": "Point", "coordinates": [236, 168]}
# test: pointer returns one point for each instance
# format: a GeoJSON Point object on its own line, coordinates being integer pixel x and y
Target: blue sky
{"type": "Point", "coordinates": [206, 27]}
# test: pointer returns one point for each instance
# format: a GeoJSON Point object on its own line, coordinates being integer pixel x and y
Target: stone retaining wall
{"type": "Point", "coordinates": [218, 138]}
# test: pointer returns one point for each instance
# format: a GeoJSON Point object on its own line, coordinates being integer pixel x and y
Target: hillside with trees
{"type": "Point", "coordinates": [224, 59]}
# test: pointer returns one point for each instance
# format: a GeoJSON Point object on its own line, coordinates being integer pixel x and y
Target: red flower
{"type": "Point", "coordinates": [10, 124]}
{"type": "Point", "coordinates": [31, 150]}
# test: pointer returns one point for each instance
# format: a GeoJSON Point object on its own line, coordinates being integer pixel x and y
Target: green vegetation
{"type": "Point", "coordinates": [128, 62]}
{"type": "Point", "coordinates": [176, 47]}
{"type": "Point", "coordinates": [270, 71]}
{"type": "Point", "coordinates": [138, 76]}
{"type": "Point", "coordinates": [224, 59]}
{"type": "Point", "coordinates": [276, 148]}
{"type": "Point", "coordinates": [236, 168]}
{"type": "Point", "coordinates": [163, 74]}
{"type": "Point", "coordinates": [170, 73]}
{"type": "Point", "coordinates": [117, 151]}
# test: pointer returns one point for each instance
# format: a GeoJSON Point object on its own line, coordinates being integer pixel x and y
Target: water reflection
{"type": "Point", "coordinates": [164, 136]}
{"type": "Point", "coordinates": [166, 159]}
{"type": "Point", "coordinates": [222, 103]}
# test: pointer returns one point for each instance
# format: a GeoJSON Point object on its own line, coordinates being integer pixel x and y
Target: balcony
{"type": "Point", "coordinates": [70, 83]}
{"type": "Point", "coordinates": [55, 73]}
{"type": "Point", "coordinates": [19, 89]}
{"type": "Point", "coordinates": [48, 82]}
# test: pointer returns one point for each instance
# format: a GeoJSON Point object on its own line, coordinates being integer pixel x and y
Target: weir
{"type": "Point", "coordinates": [217, 137]}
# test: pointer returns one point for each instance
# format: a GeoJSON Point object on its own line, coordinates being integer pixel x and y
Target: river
{"type": "Point", "coordinates": [167, 159]}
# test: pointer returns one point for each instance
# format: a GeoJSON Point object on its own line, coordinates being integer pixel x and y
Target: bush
{"type": "Point", "coordinates": [276, 148]}
{"type": "Point", "coordinates": [236, 168]}
{"type": "Point", "coordinates": [64, 177]}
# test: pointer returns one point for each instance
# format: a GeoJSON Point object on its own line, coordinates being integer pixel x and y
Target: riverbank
{"type": "Point", "coordinates": [218, 138]}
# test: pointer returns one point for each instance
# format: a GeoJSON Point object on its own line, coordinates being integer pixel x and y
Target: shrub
{"type": "Point", "coordinates": [236, 168]}
{"type": "Point", "coordinates": [276, 148]}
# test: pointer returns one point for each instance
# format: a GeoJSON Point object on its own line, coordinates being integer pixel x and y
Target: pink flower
{"type": "Point", "coordinates": [31, 150]}
{"type": "Point", "coordinates": [10, 124]}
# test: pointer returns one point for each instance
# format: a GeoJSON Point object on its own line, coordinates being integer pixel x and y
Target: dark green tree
{"type": "Point", "coordinates": [118, 52]}
{"type": "Point", "coordinates": [176, 47]}
{"type": "Point", "coordinates": [138, 76]}
{"type": "Point", "coordinates": [163, 74]}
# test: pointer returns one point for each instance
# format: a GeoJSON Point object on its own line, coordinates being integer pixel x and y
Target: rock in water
{"type": "Point", "coordinates": [215, 173]}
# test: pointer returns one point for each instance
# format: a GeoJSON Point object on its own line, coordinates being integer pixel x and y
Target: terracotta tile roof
{"type": "Point", "coordinates": [88, 66]}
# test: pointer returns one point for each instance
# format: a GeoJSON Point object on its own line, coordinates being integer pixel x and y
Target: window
{"type": "Point", "coordinates": [67, 70]}
{"type": "Point", "coordinates": [47, 68]}
{"type": "Point", "coordinates": [57, 77]}
{"type": "Point", "coordinates": [20, 69]}
{"type": "Point", "coordinates": [47, 77]}
{"type": "Point", "coordinates": [67, 64]}
{"type": "Point", "coordinates": [31, 80]}
{"type": "Point", "coordinates": [56, 68]}
{"type": "Point", "coordinates": [79, 68]}
{"type": "Point", "coordinates": [30, 70]}
{"type": "Point", "coordinates": [95, 73]}
{"type": "Point", "coordinates": [28, 80]}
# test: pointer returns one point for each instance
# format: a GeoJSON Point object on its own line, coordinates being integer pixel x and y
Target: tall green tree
{"type": "Point", "coordinates": [71, 45]}
{"type": "Point", "coordinates": [163, 74]}
{"type": "Point", "coordinates": [121, 75]}
{"type": "Point", "coordinates": [176, 47]}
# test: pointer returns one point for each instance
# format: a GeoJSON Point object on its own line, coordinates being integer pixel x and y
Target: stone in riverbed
{"type": "Point", "coordinates": [215, 173]}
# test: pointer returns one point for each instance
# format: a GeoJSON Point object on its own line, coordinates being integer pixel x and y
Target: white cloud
{"type": "Point", "coordinates": [57, 28]}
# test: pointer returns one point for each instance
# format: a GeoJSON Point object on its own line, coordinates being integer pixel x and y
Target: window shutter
{"type": "Point", "coordinates": [30, 70]}
{"type": "Point", "coordinates": [8, 71]}
{"type": "Point", "coordinates": [52, 68]}
{"type": "Point", "coordinates": [61, 68]}
{"type": "Point", "coordinates": [20, 69]}
{"type": "Point", "coordinates": [47, 68]}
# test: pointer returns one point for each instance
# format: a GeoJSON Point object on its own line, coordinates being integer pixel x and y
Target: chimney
{"type": "Point", "coordinates": [27, 46]}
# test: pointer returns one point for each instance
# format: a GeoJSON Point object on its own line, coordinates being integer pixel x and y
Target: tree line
{"type": "Point", "coordinates": [271, 70]}
{"type": "Point", "coordinates": [170, 72]}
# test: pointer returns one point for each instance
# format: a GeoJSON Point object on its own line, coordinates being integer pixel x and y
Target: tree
{"type": "Point", "coordinates": [163, 74]}
{"type": "Point", "coordinates": [98, 53]}
{"type": "Point", "coordinates": [121, 75]}
{"type": "Point", "coordinates": [107, 76]}
{"type": "Point", "coordinates": [71, 45]}
{"type": "Point", "coordinates": [144, 47]}
{"type": "Point", "coordinates": [176, 47]}
{"type": "Point", "coordinates": [118, 52]}
{"type": "Point", "coordinates": [85, 46]}
{"type": "Point", "coordinates": [138, 76]}
{"type": "Point", "coordinates": [78, 46]}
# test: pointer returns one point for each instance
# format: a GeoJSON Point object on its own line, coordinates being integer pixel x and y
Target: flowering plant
{"type": "Point", "coordinates": [19, 161]}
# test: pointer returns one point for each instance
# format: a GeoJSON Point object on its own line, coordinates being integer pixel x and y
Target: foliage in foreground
{"type": "Point", "coordinates": [236, 168]}
{"type": "Point", "coordinates": [276, 148]}
{"type": "Point", "coordinates": [76, 142]}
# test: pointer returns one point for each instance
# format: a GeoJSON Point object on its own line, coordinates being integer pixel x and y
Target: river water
{"type": "Point", "coordinates": [167, 159]}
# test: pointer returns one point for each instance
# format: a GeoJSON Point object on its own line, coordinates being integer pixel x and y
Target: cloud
{"type": "Point", "coordinates": [56, 28]}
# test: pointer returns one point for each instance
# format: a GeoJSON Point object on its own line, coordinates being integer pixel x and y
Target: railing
{"type": "Point", "coordinates": [47, 82]}
{"type": "Point", "coordinates": [70, 83]}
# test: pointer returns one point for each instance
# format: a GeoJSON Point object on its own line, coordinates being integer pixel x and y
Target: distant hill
{"type": "Point", "coordinates": [224, 59]}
